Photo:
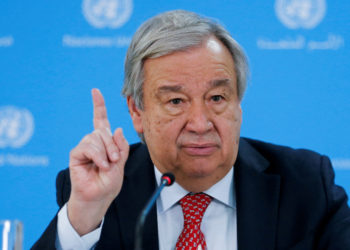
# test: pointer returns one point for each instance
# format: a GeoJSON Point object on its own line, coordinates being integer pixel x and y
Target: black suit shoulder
{"type": "Point", "coordinates": [285, 160]}
{"type": "Point", "coordinates": [309, 200]}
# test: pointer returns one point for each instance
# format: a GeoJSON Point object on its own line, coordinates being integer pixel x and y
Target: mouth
{"type": "Point", "coordinates": [199, 149]}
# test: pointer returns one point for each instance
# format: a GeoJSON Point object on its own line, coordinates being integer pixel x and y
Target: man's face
{"type": "Point", "coordinates": [192, 115]}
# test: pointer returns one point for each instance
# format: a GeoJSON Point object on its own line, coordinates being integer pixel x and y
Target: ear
{"type": "Point", "coordinates": [241, 113]}
{"type": "Point", "coordinates": [136, 115]}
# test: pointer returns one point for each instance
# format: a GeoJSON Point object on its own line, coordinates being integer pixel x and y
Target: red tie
{"type": "Point", "coordinates": [193, 208]}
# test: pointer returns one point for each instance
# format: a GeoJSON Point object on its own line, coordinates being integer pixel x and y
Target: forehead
{"type": "Point", "coordinates": [199, 66]}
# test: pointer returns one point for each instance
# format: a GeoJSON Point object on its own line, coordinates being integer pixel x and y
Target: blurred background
{"type": "Point", "coordinates": [52, 53]}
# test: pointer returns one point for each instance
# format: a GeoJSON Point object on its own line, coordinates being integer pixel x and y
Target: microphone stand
{"type": "Point", "coordinates": [166, 180]}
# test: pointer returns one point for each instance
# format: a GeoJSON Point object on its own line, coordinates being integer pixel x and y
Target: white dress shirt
{"type": "Point", "coordinates": [219, 223]}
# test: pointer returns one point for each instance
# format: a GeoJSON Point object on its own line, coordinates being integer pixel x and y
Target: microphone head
{"type": "Point", "coordinates": [168, 178]}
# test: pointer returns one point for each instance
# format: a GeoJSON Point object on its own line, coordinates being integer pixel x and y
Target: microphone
{"type": "Point", "coordinates": [167, 179]}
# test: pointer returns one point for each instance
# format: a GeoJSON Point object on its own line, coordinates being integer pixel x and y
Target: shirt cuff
{"type": "Point", "coordinates": [67, 238]}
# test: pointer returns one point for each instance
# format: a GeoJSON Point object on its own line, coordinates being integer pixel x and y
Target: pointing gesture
{"type": "Point", "coordinates": [100, 111]}
{"type": "Point", "coordinates": [96, 170]}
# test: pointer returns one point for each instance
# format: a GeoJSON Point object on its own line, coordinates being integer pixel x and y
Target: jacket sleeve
{"type": "Point", "coordinates": [48, 238]}
{"type": "Point", "coordinates": [336, 232]}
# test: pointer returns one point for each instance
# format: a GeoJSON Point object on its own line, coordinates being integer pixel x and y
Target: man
{"type": "Point", "coordinates": [185, 77]}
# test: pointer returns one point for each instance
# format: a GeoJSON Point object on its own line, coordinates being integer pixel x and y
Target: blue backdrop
{"type": "Point", "coordinates": [53, 52]}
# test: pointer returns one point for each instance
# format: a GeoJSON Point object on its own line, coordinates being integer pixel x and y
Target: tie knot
{"type": "Point", "coordinates": [194, 206]}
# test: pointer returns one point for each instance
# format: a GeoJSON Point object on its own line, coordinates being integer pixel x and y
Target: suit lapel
{"type": "Point", "coordinates": [138, 186]}
{"type": "Point", "coordinates": [257, 196]}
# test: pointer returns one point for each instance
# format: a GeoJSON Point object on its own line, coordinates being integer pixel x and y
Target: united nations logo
{"type": "Point", "coordinates": [107, 13]}
{"type": "Point", "coordinates": [296, 14]}
{"type": "Point", "coordinates": [16, 126]}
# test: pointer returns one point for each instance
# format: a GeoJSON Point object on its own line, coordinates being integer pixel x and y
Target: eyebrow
{"type": "Point", "coordinates": [220, 82]}
{"type": "Point", "coordinates": [213, 84]}
{"type": "Point", "coordinates": [168, 88]}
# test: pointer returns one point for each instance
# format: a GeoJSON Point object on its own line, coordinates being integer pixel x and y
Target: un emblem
{"type": "Point", "coordinates": [296, 14]}
{"type": "Point", "coordinates": [107, 13]}
{"type": "Point", "coordinates": [16, 126]}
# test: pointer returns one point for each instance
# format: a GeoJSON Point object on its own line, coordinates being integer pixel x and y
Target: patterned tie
{"type": "Point", "coordinates": [193, 208]}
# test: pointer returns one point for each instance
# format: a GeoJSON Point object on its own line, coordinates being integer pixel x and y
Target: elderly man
{"type": "Point", "coordinates": [185, 77]}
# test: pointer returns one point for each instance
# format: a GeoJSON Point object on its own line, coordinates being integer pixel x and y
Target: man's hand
{"type": "Point", "coordinates": [96, 170]}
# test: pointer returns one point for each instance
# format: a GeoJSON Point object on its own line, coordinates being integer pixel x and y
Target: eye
{"type": "Point", "coordinates": [175, 101]}
{"type": "Point", "coordinates": [217, 98]}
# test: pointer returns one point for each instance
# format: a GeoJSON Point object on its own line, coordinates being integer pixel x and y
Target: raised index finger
{"type": "Point", "coordinates": [100, 111]}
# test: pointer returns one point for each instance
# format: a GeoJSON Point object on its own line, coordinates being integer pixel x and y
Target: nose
{"type": "Point", "coordinates": [199, 121]}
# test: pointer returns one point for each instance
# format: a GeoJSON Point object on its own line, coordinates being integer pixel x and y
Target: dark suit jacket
{"type": "Point", "coordinates": [286, 199]}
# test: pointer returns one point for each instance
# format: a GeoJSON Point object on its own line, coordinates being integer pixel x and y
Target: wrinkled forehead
{"type": "Point", "coordinates": [206, 67]}
{"type": "Point", "coordinates": [182, 44]}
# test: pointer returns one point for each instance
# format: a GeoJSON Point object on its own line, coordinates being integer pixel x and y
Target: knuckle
{"type": "Point", "coordinates": [108, 131]}
{"type": "Point", "coordinates": [89, 138]}
{"type": "Point", "coordinates": [100, 133]}
{"type": "Point", "coordinates": [95, 138]}
{"type": "Point", "coordinates": [111, 146]}
{"type": "Point", "coordinates": [72, 152]}
{"type": "Point", "coordinates": [75, 151]}
{"type": "Point", "coordinates": [96, 133]}
{"type": "Point", "coordinates": [95, 149]}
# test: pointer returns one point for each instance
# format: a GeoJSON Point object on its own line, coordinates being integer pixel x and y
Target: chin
{"type": "Point", "coordinates": [200, 169]}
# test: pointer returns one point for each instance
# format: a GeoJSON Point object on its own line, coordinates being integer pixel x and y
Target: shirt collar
{"type": "Point", "coordinates": [222, 192]}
